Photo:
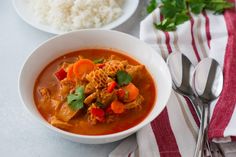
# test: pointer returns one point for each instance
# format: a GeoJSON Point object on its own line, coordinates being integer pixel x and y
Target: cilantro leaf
{"type": "Point", "coordinates": [181, 18]}
{"type": "Point", "coordinates": [71, 98]}
{"type": "Point", "coordinates": [166, 25]}
{"type": "Point", "coordinates": [176, 12]}
{"type": "Point", "coordinates": [196, 7]}
{"type": "Point", "coordinates": [218, 6]}
{"type": "Point", "coordinates": [123, 78]}
{"type": "Point", "coordinates": [152, 6]}
{"type": "Point", "coordinates": [76, 105]}
{"type": "Point", "coordinates": [169, 10]}
{"type": "Point", "coordinates": [100, 60]}
{"type": "Point", "coordinates": [76, 100]}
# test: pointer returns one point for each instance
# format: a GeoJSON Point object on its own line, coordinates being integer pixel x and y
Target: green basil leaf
{"type": "Point", "coordinates": [100, 60]}
{"type": "Point", "coordinates": [123, 78]}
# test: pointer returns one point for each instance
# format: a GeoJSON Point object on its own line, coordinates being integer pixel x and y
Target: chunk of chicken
{"type": "Point", "coordinates": [45, 93]}
{"type": "Point", "coordinates": [60, 124]}
{"type": "Point", "coordinates": [90, 98]}
{"type": "Point", "coordinates": [65, 113]}
{"type": "Point", "coordinates": [66, 87]}
{"type": "Point", "coordinates": [135, 71]}
{"type": "Point", "coordinates": [135, 104]}
{"type": "Point", "coordinates": [105, 97]}
{"type": "Point", "coordinates": [89, 88]}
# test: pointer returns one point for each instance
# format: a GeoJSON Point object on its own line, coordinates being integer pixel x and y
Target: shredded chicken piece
{"type": "Point", "coordinates": [113, 66]}
{"type": "Point", "coordinates": [97, 78]}
{"type": "Point", "coordinates": [111, 118]}
{"type": "Point", "coordinates": [105, 97]}
{"type": "Point", "coordinates": [65, 113]}
{"type": "Point", "coordinates": [89, 99]}
{"type": "Point", "coordinates": [55, 104]}
{"type": "Point", "coordinates": [135, 104]}
{"type": "Point", "coordinates": [45, 93]}
{"type": "Point", "coordinates": [89, 88]}
{"type": "Point", "coordinates": [66, 87]}
{"type": "Point", "coordinates": [134, 70]}
{"type": "Point", "coordinates": [65, 65]}
{"type": "Point", "coordinates": [60, 124]}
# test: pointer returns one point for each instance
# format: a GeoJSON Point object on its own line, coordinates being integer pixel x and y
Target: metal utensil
{"type": "Point", "coordinates": [181, 70]}
{"type": "Point", "coordinates": [207, 84]}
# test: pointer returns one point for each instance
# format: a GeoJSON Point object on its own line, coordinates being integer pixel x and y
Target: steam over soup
{"type": "Point", "coordinates": [94, 92]}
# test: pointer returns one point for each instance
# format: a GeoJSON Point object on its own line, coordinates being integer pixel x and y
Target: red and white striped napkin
{"type": "Point", "coordinates": [174, 132]}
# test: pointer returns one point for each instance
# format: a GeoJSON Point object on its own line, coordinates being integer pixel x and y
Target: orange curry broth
{"type": "Point", "coordinates": [80, 124]}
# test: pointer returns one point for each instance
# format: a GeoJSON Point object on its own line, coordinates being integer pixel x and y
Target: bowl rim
{"type": "Point", "coordinates": [133, 129]}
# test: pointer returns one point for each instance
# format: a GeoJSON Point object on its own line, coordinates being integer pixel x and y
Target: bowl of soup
{"type": "Point", "coordinates": [94, 86]}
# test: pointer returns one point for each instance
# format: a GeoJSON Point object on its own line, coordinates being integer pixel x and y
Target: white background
{"type": "Point", "coordinates": [20, 134]}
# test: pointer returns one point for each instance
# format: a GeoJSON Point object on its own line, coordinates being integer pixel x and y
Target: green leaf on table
{"type": "Point", "coordinates": [123, 78]}
{"type": "Point", "coordinates": [151, 6]}
{"type": "Point", "coordinates": [218, 6]}
{"type": "Point", "coordinates": [168, 10]}
{"type": "Point", "coordinates": [166, 25]}
{"type": "Point", "coordinates": [196, 6]}
{"type": "Point", "coordinates": [176, 12]}
{"type": "Point", "coordinates": [181, 18]}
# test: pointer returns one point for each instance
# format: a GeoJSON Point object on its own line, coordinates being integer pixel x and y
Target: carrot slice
{"type": "Point", "coordinates": [117, 107]}
{"type": "Point", "coordinates": [70, 73]}
{"type": "Point", "coordinates": [82, 67]}
{"type": "Point", "coordinates": [133, 92]}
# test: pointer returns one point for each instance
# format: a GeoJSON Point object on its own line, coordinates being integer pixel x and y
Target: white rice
{"type": "Point", "coordinates": [67, 15]}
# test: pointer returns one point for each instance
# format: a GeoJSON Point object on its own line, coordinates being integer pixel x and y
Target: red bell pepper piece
{"type": "Point", "coordinates": [101, 65]}
{"type": "Point", "coordinates": [61, 74]}
{"type": "Point", "coordinates": [109, 110]}
{"type": "Point", "coordinates": [111, 86]}
{"type": "Point", "coordinates": [120, 93]}
{"type": "Point", "coordinates": [97, 112]}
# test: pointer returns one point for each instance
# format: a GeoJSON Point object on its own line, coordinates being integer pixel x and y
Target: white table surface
{"type": "Point", "coordinates": [20, 134]}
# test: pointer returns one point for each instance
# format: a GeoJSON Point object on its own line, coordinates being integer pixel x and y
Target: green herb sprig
{"type": "Point", "coordinates": [176, 12]}
{"type": "Point", "coordinates": [76, 100]}
{"type": "Point", "coordinates": [123, 78]}
{"type": "Point", "coordinates": [100, 60]}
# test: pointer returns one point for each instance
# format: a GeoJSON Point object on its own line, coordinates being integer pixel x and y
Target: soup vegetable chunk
{"type": "Point", "coordinates": [94, 92]}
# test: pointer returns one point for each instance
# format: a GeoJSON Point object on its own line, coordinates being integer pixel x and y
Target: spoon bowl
{"type": "Point", "coordinates": [208, 80]}
{"type": "Point", "coordinates": [181, 70]}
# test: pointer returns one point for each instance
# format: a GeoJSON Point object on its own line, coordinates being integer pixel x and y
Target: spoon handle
{"type": "Point", "coordinates": [196, 106]}
{"type": "Point", "coordinates": [200, 141]}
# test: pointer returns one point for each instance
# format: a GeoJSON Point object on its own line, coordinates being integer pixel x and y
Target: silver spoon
{"type": "Point", "coordinates": [181, 70]}
{"type": "Point", "coordinates": [207, 84]}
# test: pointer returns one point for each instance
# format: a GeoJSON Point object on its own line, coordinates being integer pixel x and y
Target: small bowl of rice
{"type": "Point", "coordinates": [61, 16]}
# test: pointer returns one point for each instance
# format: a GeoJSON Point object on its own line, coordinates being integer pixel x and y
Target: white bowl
{"type": "Point", "coordinates": [24, 11]}
{"type": "Point", "coordinates": [60, 45]}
